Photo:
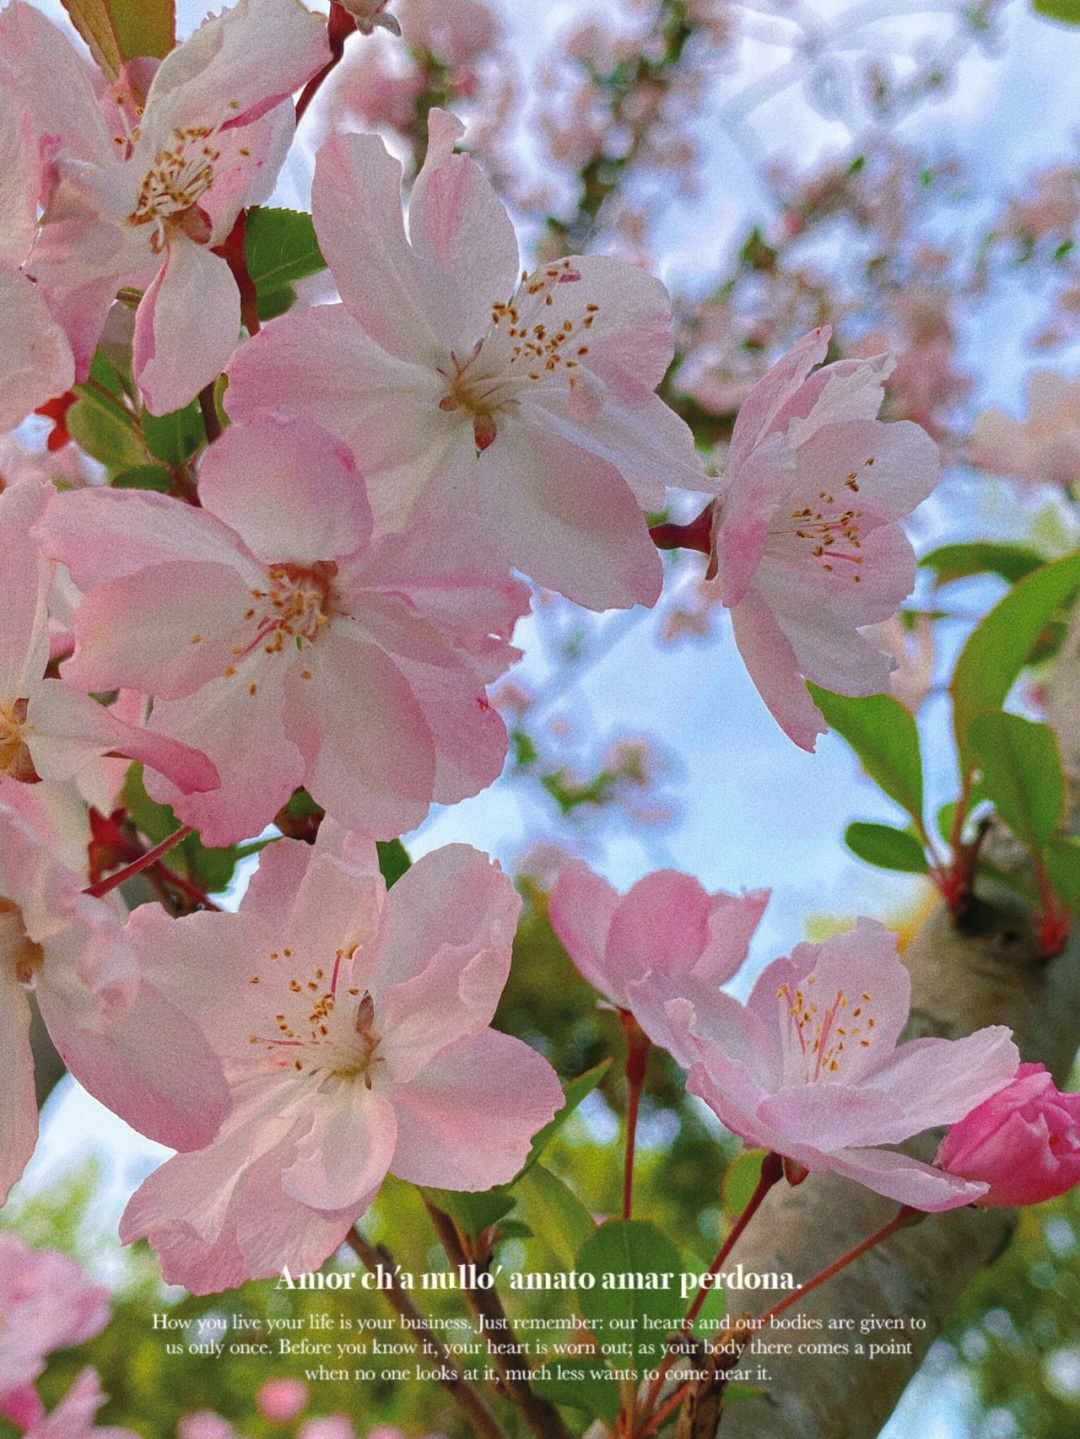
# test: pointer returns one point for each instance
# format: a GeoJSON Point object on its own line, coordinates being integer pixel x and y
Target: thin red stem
{"type": "Point", "coordinates": [772, 1170]}
{"type": "Point", "coordinates": [637, 1055]}
{"type": "Point", "coordinates": [339, 27]}
{"type": "Point", "coordinates": [697, 535]}
{"type": "Point", "coordinates": [137, 866]}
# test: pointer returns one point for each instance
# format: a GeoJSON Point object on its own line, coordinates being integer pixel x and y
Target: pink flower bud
{"type": "Point", "coordinates": [370, 13]}
{"type": "Point", "coordinates": [1024, 1142]}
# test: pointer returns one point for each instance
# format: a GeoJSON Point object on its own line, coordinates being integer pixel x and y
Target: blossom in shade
{"type": "Point", "coordinates": [810, 1067]}
{"type": "Point", "coordinates": [667, 934]}
{"type": "Point", "coordinates": [281, 1399]}
{"type": "Point", "coordinates": [48, 731]}
{"type": "Point", "coordinates": [525, 399]}
{"type": "Point", "coordinates": [73, 1416]}
{"type": "Point", "coordinates": [1044, 448]}
{"type": "Point", "coordinates": [1024, 1142]}
{"type": "Point", "coordinates": [268, 624]}
{"type": "Point", "coordinates": [117, 1034]}
{"type": "Point", "coordinates": [805, 546]}
{"type": "Point", "coordinates": [47, 1303]}
{"type": "Point", "coordinates": [353, 1025]}
{"type": "Point", "coordinates": [146, 181]}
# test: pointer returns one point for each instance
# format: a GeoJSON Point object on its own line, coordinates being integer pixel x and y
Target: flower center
{"type": "Point", "coordinates": [524, 346]}
{"type": "Point", "coordinates": [323, 1031]}
{"type": "Point", "coordinates": [819, 1042]}
{"type": "Point", "coordinates": [831, 533]}
{"type": "Point", "coordinates": [15, 757]}
{"type": "Point", "coordinates": [174, 183]}
{"type": "Point", "coordinates": [16, 949]}
{"type": "Point", "coordinates": [296, 603]}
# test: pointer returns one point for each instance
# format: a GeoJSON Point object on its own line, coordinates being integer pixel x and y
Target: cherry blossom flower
{"type": "Point", "coordinates": [527, 400]}
{"type": "Point", "coordinates": [1044, 448]}
{"type": "Point", "coordinates": [267, 624]}
{"type": "Point", "coordinates": [73, 1417]}
{"type": "Point", "coordinates": [353, 1026]}
{"type": "Point", "coordinates": [111, 1029]}
{"type": "Point", "coordinates": [48, 731]}
{"type": "Point", "coordinates": [370, 14]}
{"type": "Point", "coordinates": [36, 361]}
{"type": "Point", "coordinates": [666, 932]}
{"type": "Point", "coordinates": [47, 1303]}
{"type": "Point", "coordinates": [1024, 1142]}
{"type": "Point", "coordinates": [147, 184]}
{"type": "Point", "coordinates": [810, 1067]}
{"type": "Point", "coordinates": [281, 1400]}
{"type": "Point", "coordinates": [805, 544]}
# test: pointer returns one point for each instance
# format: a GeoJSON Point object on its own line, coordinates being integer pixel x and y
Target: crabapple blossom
{"type": "Point", "coordinates": [119, 1037]}
{"type": "Point", "coordinates": [147, 181]}
{"type": "Point", "coordinates": [47, 1304]}
{"type": "Point", "coordinates": [525, 400]}
{"type": "Point", "coordinates": [1024, 1142]}
{"type": "Point", "coordinates": [810, 1068]}
{"type": "Point", "coordinates": [805, 543]}
{"type": "Point", "coordinates": [667, 930]}
{"type": "Point", "coordinates": [36, 361]}
{"type": "Point", "coordinates": [48, 731]}
{"type": "Point", "coordinates": [353, 1026]}
{"type": "Point", "coordinates": [73, 1416]}
{"type": "Point", "coordinates": [268, 624]}
{"type": "Point", "coordinates": [1044, 448]}
{"type": "Point", "coordinates": [369, 14]}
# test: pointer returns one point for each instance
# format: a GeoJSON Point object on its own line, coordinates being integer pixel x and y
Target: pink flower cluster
{"type": "Point", "coordinates": [810, 1066]}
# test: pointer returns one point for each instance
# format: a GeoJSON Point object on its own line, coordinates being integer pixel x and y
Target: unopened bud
{"type": "Point", "coordinates": [370, 13]}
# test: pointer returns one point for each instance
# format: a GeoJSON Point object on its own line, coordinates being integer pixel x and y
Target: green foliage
{"type": "Point", "coordinates": [1001, 645]}
{"type": "Point", "coordinates": [1062, 862]}
{"type": "Point", "coordinates": [210, 869]}
{"type": "Point", "coordinates": [120, 30]}
{"type": "Point", "coordinates": [554, 1213]}
{"type": "Point", "coordinates": [1067, 10]}
{"type": "Point", "coordinates": [1021, 773]}
{"type": "Point", "coordinates": [886, 847]}
{"type": "Point", "coordinates": [143, 477]}
{"type": "Point", "coordinates": [958, 562]}
{"type": "Point", "coordinates": [632, 1252]}
{"type": "Point", "coordinates": [393, 860]}
{"type": "Point", "coordinates": [280, 247]}
{"type": "Point", "coordinates": [172, 438]}
{"type": "Point", "coordinates": [884, 736]}
{"type": "Point", "coordinates": [105, 429]}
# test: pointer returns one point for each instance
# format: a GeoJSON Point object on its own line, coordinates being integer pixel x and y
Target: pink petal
{"type": "Point", "coordinates": [289, 490]}
{"type": "Point", "coordinates": [906, 1180]}
{"type": "Point", "coordinates": [770, 661]}
{"type": "Point", "coordinates": [24, 587]}
{"type": "Point", "coordinates": [468, 1120]}
{"type": "Point", "coordinates": [938, 1081]}
{"type": "Point", "coordinates": [37, 361]}
{"type": "Point", "coordinates": [742, 515]}
{"type": "Point", "coordinates": [18, 1104]}
{"type": "Point", "coordinates": [758, 412]}
{"type": "Point", "coordinates": [581, 909]}
{"type": "Point", "coordinates": [343, 1158]}
{"type": "Point", "coordinates": [186, 327]}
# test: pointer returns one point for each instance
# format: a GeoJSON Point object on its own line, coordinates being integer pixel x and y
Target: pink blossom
{"type": "Point", "coordinates": [1044, 448]}
{"type": "Point", "coordinates": [369, 14]}
{"type": "Point", "coordinates": [810, 1067]}
{"type": "Point", "coordinates": [269, 625]}
{"type": "Point", "coordinates": [36, 361]}
{"type": "Point", "coordinates": [145, 185]}
{"type": "Point", "coordinates": [667, 932]}
{"type": "Point", "coordinates": [73, 1417]}
{"type": "Point", "coordinates": [46, 1304]}
{"type": "Point", "coordinates": [281, 1400]}
{"type": "Point", "coordinates": [329, 1426]}
{"type": "Point", "coordinates": [456, 33]}
{"type": "Point", "coordinates": [204, 1424]}
{"type": "Point", "coordinates": [48, 731]}
{"type": "Point", "coordinates": [111, 1028]}
{"type": "Point", "coordinates": [805, 543]}
{"type": "Point", "coordinates": [525, 400]}
{"type": "Point", "coordinates": [1024, 1142]}
{"type": "Point", "coordinates": [353, 1026]}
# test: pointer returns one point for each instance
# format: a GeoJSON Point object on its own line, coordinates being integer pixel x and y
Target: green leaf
{"type": "Point", "coordinates": [269, 304]}
{"type": "Point", "coordinates": [884, 736]}
{"type": "Point", "coordinates": [173, 437]}
{"type": "Point", "coordinates": [280, 248]}
{"type": "Point", "coordinates": [886, 847]}
{"type": "Point", "coordinates": [636, 1272]}
{"type": "Point", "coordinates": [211, 869]}
{"type": "Point", "coordinates": [393, 860]}
{"type": "Point", "coordinates": [105, 430]}
{"type": "Point", "coordinates": [575, 1091]}
{"type": "Point", "coordinates": [1062, 861]}
{"type": "Point", "coordinates": [143, 477]}
{"type": "Point", "coordinates": [957, 562]}
{"type": "Point", "coordinates": [1021, 773]}
{"type": "Point", "coordinates": [944, 820]}
{"type": "Point", "coordinates": [740, 1180]}
{"type": "Point", "coordinates": [120, 30]}
{"type": "Point", "coordinates": [580, 1381]}
{"type": "Point", "coordinates": [1067, 10]}
{"type": "Point", "coordinates": [472, 1212]}
{"type": "Point", "coordinates": [1000, 645]}
{"type": "Point", "coordinates": [554, 1213]}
